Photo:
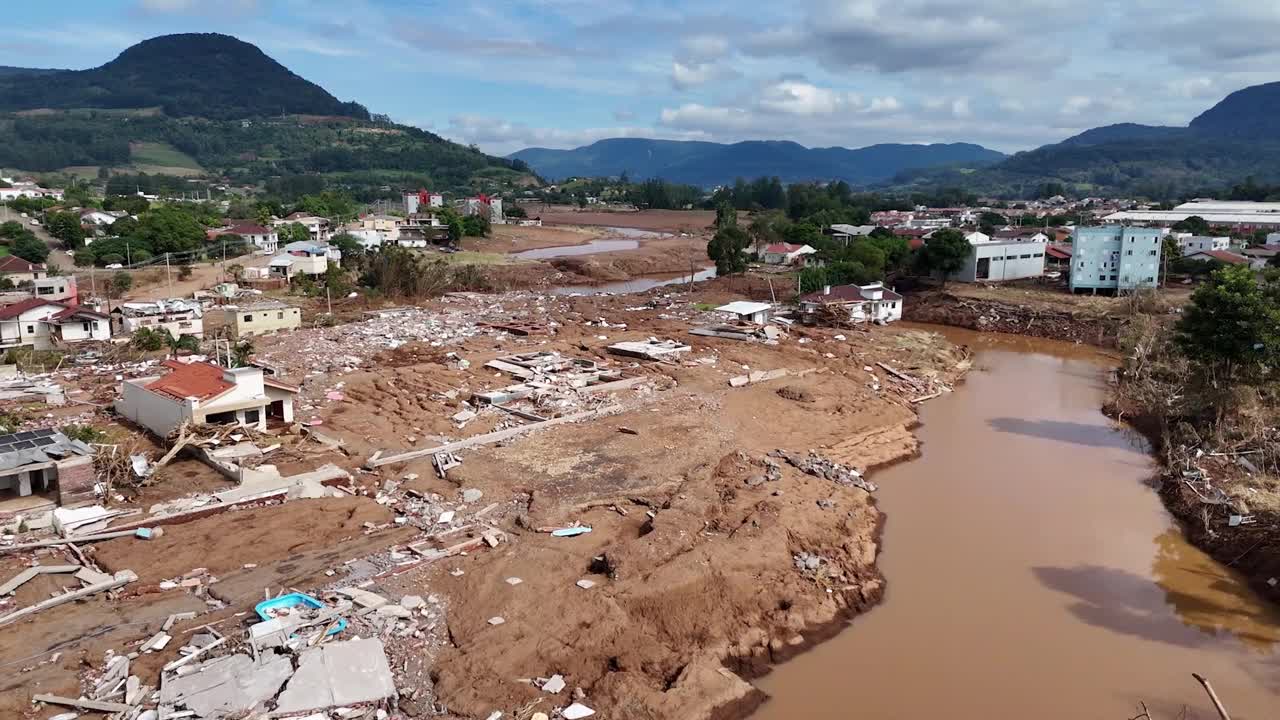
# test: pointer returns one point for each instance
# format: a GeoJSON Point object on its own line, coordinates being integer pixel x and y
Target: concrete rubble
{"type": "Point", "coordinates": [818, 466]}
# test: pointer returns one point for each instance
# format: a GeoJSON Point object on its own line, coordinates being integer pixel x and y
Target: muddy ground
{"type": "Point", "coordinates": [694, 542]}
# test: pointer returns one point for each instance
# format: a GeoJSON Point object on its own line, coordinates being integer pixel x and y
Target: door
{"type": "Point", "coordinates": [984, 269]}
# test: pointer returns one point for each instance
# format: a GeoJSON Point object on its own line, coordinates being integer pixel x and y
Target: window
{"type": "Point", "coordinates": [1025, 257]}
{"type": "Point", "coordinates": [280, 315]}
{"type": "Point", "coordinates": [184, 324]}
{"type": "Point", "coordinates": [1130, 252]}
{"type": "Point", "coordinates": [1039, 255]}
{"type": "Point", "coordinates": [85, 326]}
{"type": "Point", "coordinates": [251, 417]}
{"type": "Point", "coordinates": [1081, 264]}
{"type": "Point", "coordinates": [44, 290]}
{"type": "Point", "coordinates": [248, 318]}
{"type": "Point", "coordinates": [1151, 279]}
{"type": "Point", "coordinates": [1153, 252]}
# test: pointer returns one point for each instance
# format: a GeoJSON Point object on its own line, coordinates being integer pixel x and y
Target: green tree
{"type": "Point", "coordinates": [66, 227]}
{"type": "Point", "coordinates": [764, 228]}
{"type": "Point", "coordinates": [1195, 225]}
{"type": "Point", "coordinates": [352, 249]}
{"type": "Point", "coordinates": [170, 229]}
{"type": "Point", "coordinates": [726, 216]}
{"type": "Point", "coordinates": [119, 284]}
{"type": "Point", "coordinates": [726, 249]}
{"type": "Point", "coordinates": [945, 253]}
{"type": "Point", "coordinates": [294, 232]}
{"type": "Point", "coordinates": [30, 248]}
{"type": "Point", "coordinates": [1231, 327]}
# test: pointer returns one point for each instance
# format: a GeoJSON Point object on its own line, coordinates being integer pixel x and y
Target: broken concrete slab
{"type": "Point", "coordinates": [227, 686]}
{"type": "Point", "coordinates": [23, 577]}
{"type": "Point", "coordinates": [471, 495]}
{"type": "Point", "coordinates": [363, 598]}
{"type": "Point", "coordinates": [340, 673]}
{"type": "Point", "coordinates": [554, 684]}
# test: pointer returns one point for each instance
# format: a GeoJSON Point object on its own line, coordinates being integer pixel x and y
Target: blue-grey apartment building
{"type": "Point", "coordinates": [1115, 257]}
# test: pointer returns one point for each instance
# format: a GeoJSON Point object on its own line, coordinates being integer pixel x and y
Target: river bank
{"type": "Point", "coordinates": [1029, 569]}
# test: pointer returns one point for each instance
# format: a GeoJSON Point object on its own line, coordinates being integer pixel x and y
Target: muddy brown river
{"type": "Point", "coordinates": [1032, 573]}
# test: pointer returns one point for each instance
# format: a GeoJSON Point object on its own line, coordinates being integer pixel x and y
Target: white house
{"type": "Point", "coordinates": [786, 253]}
{"type": "Point", "coordinates": [266, 240]}
{"type": "Point", "coordinates": [996, 261]}
{"type": "Point", "coordinates": [200, 392]}
{"type": "Point", "coordinates": [845, 233]}
{"type": "Point", "coordinates": [18, 270]}
{"type": "Point", "coordinates": [179, 317]}
{"type": "Point", "coordinates": [753, 312]}
{"type": "Point", "coordinates": [45, 324]}
{"type": "Point", "coordinates": [1192, 244]}
{"type": "Point", "coordinates": [100, 218]}
{"type": "Point", "coordinates": [862, 303]}
{"type": "Point", "coordinates": [316, 226]}
{"type": "Point", "coordinates": [977, 238]}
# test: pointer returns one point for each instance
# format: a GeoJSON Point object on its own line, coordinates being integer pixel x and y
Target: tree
{"type": "Point", "coordinates": [241, 352]}
{"type": "Point", "coordinates": [764, 228]}
{"type": "Point", "coordinates": [66, 227]}
{"type": "Point", "coordinates": [170, 229]}
{"type": "Point", "coordinates": [726, 216]}
{"type": "Point", "coordinates": [294, 232]}
{"type": "Point", "coordinates": [725, 248]}
{"type": "Point", "coordinates": [1232, 326]}
{"type": "Point", "coordinates": [945, 253]}
{"type": "Point", "coordinates": [1195, 225]}
{"type": "Point", "coordinates": [119, 284]}
{"type": "Point", "coordinates": [30, 248]}
{"type": "Point", "coordinates": [352, 249]}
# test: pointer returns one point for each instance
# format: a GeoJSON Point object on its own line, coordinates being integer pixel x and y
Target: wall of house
{"type": "Point", "coordinates": [76, 480]}
{"type": "Point", "coordinates": [263, 321]}
{"type": "Point", "coordinates": [158, 413]}
{"type": "Point", "coordinates": [309, 265]}
{"type": "Point", "coordinates": [286, 398]}
{"type": "Point", "coordinates": [1005, 261]}
{"type": "Point", "coordinates": [177, 326]}
{"type": "Point", "coordinates": [72, 330]}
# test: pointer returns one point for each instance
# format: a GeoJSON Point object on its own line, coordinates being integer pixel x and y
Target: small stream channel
{"type": "Point", "coordinates": [1032, 573]}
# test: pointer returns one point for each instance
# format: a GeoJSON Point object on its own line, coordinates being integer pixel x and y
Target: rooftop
{"type": "Point", "coordinates": [850, 293]}
{"type": "Point", "coordinates": [15, 264]}
{"type": "Point", "coordinates": [200, 380]}
{"type": "Point", "coordinates": [37, 446]}
{"type": "Point", "coordinates": [1229, 258]}
{"type": "Point", "coordinates": [742, 307]}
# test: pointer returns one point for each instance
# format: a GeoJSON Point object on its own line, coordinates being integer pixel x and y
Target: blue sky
{"type": "Point", "coordinates": [562, 73]}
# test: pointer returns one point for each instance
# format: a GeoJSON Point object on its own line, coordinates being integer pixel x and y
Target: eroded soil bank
{"type": "Point", "coordinates": [1031, 571]}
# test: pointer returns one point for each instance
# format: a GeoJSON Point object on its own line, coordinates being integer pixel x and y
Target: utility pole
{"type": "Point", "coordinates": [168, 277]}
{"type": "Point", "coordinates": [328, 298]}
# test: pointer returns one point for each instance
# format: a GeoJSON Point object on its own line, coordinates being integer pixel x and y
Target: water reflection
{"type": "Point", "coordinates": [1075, 433]}
{"type": "Point", "coordinates": [1209, 596]}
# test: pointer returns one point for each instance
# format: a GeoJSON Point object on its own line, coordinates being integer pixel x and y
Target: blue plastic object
{"type": "Point", "coordinates": [265, 607]}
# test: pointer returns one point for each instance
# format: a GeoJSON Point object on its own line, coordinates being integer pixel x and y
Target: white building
{"type": "Point", "coordinates": [846, 233]}
{"type": "Point", "coordinates": [999, 261]}
{"type": "Point", "coordinates": [317, 227]}
{"type": "Point", "coordinates": [266, 240]}
{"type": "Point", "coordinates": [46, 324]}
{"type": "Point", "coordinates": [1237, 213]}
{"type": "Point", "coordinates": [179, 317]}
{"type": "Point", "coordinates": [743, 311]}
{"type": "Point", "coordinates": [862, 303]}
{"type": "Point", "coordinates": [199, 392]}
{"type": "Point", "coordinates": [786, 254]}
{"type": "Point", "coordinates": [1192, 244]}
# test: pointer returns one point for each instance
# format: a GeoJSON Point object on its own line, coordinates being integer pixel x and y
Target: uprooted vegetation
{"type": "Point", "coordinates": [1204, 390]}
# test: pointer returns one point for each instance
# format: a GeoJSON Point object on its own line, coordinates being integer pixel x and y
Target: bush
{"type": "Point", "coordinates": [84, 433]}
{"type": "Point", "coordinates": [149, 340]}
{"type": "Point", "coordinates": [184, 272]}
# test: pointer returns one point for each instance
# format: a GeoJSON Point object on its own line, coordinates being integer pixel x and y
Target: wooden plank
{"type": "Point", "coordinates": [489, 438]}
{"type": "Point", "coordinates": [901, 376]}
{"type": "Point", "coordinates": [622, 384]}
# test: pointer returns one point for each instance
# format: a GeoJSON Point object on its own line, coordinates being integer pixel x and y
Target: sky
{"type": "Point", "coordinates": [509, 74]}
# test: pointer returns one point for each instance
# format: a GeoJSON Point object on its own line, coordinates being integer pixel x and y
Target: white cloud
{"type": "Point", "coordinates": [503, 137]}
{"type": "Point", "coordinates": [186, 6]}
{"type": "Point", "coordinates": [684, 77]}
{"type": "Point", "coordinates": [704, 47]}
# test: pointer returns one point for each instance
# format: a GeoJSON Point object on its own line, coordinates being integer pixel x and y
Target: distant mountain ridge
{"type": "Point", "coordinates": [196, 74]}
{"type": "Point", "coordinates": [1237, 138]}
{"type": "Point", "coordinates": [707, 163]}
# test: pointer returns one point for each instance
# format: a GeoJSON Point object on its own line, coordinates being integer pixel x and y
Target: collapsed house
{"type": "Point", "coordinates": [179, 317]}
{"type": "Point", "coordinates": [855, 304]}
{"type": "Point", "coordinates": [200, 392]}
{"type": "Point", "coordinates": [43, 468]}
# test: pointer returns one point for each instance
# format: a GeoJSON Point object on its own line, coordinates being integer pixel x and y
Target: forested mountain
{"type": "Point", "coordinates": [1235, 139]}
{"type": "Point", "coordinates": [706, 164]}
{"type": "Point", "coordinates": [203, 75]}
{"type": "Point", "coordinates": [211, 104]}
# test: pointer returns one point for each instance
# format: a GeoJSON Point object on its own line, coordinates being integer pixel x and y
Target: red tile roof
{"type": "Point", "coordinates": [1060, 253]}
{"type": "Point", "coordinates": [249, 229]}
{"type": "Point", "coordinates": [9, 312]}
{"type": "Point", "coordinates": [73, 310]}
{"type": "Point", "coordinates": [782, 248]}
{"type": "Point", "coordinates": [1229, 258]}
{"type": "Point", "coordinates": [15, 264]}
{"type": "Point", "coordinates": [198, 379]}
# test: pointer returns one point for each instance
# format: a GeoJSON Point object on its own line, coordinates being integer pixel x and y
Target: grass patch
{"type": "Point", "coordinates": [163, 154]}
{"type": "Point", "coordinates": [471, 257]}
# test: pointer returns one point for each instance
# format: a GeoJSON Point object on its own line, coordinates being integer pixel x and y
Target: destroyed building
{"type": "Point", "coordinates": [178, 317]}
{"type": "Point", "coordinates": [200, 392]}
{"type": "Point", "coordinates": [45, 324]}
{"type": "Point", "coordinates": [852, 304]}
{"type": "Point", "coordinates": [42, 468]}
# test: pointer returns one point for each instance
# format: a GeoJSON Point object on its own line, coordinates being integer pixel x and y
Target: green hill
{"type": "Point", "coordinates": [186, 103]}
